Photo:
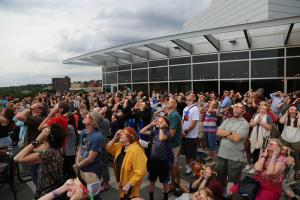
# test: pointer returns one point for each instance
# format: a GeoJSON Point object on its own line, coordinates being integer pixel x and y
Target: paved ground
{"type": "Point", "coordinates": [25, 191]}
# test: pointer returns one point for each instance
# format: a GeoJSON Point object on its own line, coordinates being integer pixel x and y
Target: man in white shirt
{"type": "Point", "coordinates": [190, 127]}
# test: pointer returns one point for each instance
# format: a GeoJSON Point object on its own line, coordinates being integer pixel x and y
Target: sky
{"type": "Point", "coordinates": [37, 35]}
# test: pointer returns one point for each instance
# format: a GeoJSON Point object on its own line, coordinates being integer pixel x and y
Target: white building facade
{"type": "Point", "coordinates": [234, 44]}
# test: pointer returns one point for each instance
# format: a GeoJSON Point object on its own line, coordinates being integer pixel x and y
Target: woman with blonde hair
{"type": "Point", "coordinates": [269, 172]}
{"type": "Point", "coordinates": [261, 124]}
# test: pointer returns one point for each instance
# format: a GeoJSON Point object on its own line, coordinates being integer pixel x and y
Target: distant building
{"type": "Point", "coordinates": [94, 86]}
{"type": "Point", "coordinates": [90, 86]}
{"type": "Point", "coordinates": [77, 86]}
{"type": "Point", "coordinates": [61, 84]}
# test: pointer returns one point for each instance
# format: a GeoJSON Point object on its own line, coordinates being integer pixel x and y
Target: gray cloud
{"type": "Point", "coordinates": [33, 55]}
{"type": "Point", "coordinates": [53, 30]}
{"type": "Point", "coordinates": [116, 25]}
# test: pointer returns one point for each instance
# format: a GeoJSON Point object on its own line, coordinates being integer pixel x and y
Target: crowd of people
{"type": "Point", "coordinates": [68, 140]}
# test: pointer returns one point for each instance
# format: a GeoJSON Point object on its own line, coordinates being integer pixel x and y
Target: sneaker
{"type": "Point", "coordinates": [251, 171]}
{"type": "Point", "coordinates": [247, 167]}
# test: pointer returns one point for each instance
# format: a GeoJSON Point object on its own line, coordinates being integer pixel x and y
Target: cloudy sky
{"type": "Point", "coordinates": [36, 35]}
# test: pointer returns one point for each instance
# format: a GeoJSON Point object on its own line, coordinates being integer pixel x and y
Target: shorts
{"type": "Point", "coordinates": [176, 151]}
{"type": "Point", "coordinates": [211, 139]}
{"type": "Point", "coordinates": [201, 131]}
{"type": "Point", "coordinates": [159, 169]}
{"type": "Point", "coordinates": [231, 169]}
{"type": "Point", "coordinates": [189, 147]}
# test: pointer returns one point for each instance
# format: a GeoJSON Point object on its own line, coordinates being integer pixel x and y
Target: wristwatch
{"type": "Point", "coordinates": [186, 131]}
{"type": "Point", "coordinates": [35, 143]}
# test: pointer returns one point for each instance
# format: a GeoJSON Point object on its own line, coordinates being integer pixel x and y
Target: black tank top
{"type": "Point", "coordinates": [3, 131]}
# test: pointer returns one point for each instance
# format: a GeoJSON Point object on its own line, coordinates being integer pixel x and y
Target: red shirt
{"type": "Point", "coordinates": [59, 120]}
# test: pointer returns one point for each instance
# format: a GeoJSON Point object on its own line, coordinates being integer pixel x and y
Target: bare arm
{"type": "Point", "coordinates": [22, 116]}
{"type": "Point", "coordinates": [3, 121]}
{"type": "Point", "coordinates": [90, 159]}
{"type": "Point", "coordinates": [27, 155]}
{"type": "Point", "coordinates": [162, 136]}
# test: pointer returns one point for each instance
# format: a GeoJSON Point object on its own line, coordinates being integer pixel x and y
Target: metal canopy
{"type": "Point", "coordinates": [185, 45]}
{"type": "Point", "coordinates": [137, 52]}
{"type": "Point", "coordinates": [158, 48]}
{"type": "Point", "coordinates": [288, 33]}
{"type": "Point", "coordinates": [124, 56]}
{"type": "Point", "coordinates": [114, 56]}
{"type": "Point", "coordinates": [248, 38]}
{"type": "Point", "coordinates": [213, 41]}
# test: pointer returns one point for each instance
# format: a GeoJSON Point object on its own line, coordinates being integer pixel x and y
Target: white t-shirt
{"type": "Point", "coordinates": [290, 133]}
{"type": "Point", "coordinates": [192, 113]}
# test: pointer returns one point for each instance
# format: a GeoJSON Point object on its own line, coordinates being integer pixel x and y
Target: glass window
{"type": "Point", "coordinates": [103, 78]}
{"type": "Point", "coordinates": [293, 67]}
{"type": "Point", "coordinates": [267, 68]}
{"type": "Point", "coordinates": [293, 51]}
{"type": "Point", "coordinates": [111, 78]}
{"type": "Point", "coordinates": [267, 53]}
{"type": "Point", "coordinates": [238, 69]}
{"type": "Point", "coordinates": [178, 61]}
{"type": "Point", "coordinates": [157, 63]}
{"type": "Point", "coordinates": [293, 85]}
{"type": "Point", "coordinates": [159, 87]}
{"type": "Point", "coordinates": [141, 87]}
{"type": "Point", "coordinates": [205, 86]}
{"type": "Point", "coordinates": [234, 55]}
{"type": "Point", "coordinates": [205, 58]}
{"type": "Point", "coordinates": [140, 75]}
{"type": "Point", "coordinates": [241, 86]}
{"type": "Point", "coordinates": [158, 74]}
{"type": "Point", "coordinates": [122, 87]}
{"type": "Point", "coordinates": [269, 85]}
{"type": "Point", "coordinates": [124, 67]}
{"type": "Point", "coordinates": [205, 71]}
{"type": "Point", "coordinates": [182, 72]}
{"type": "Point", "coordinates": [111, 69]}
{"type": "Point", "coordinates": [140, 65]}
{"type": "Point", "coordinates": [106, 88]}
{"type": "Point", "coordinates": [124, 77]}
{"type": "Point", "coordinates": [176, 87]}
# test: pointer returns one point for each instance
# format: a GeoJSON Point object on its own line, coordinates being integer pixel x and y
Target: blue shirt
{"type": "Point", "coordinates": [226, 102]}
{"type": "Point", "coordinates": [160, 149]}
{"type": "Point", "coordinates": [276, 100]}
{"type": "Point", "coordinates": [93, 141]}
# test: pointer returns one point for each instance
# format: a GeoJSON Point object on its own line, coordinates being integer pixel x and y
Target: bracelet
{"type": "Point", "coordinates": [274, 159]}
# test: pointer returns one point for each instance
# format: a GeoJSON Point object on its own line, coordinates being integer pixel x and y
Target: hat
{"type": "Point", "coordinates": [97, 118]}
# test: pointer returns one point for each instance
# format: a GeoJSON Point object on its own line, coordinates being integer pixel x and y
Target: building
{"type": "Point", "coordinates": [233, 44]}
{"type": "Point", "coordinates": [77, 86]}
{"type": "Point", "coordinates": [61, 84]}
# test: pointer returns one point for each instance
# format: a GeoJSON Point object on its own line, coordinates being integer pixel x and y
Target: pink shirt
{"type": "Point", "coordinates": [272, 179]}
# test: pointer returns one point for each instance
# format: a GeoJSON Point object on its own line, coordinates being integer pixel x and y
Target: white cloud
{"type": "Point", "coordinates": [35, 36]}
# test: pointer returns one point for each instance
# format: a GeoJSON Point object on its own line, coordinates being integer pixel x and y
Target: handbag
{"type": "Point", "coordinates": [248, 188]}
